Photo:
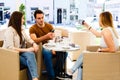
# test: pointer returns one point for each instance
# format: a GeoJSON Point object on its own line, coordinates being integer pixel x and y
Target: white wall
{"type": "Point", "coordinates": [114, 8]}
{"type": "Point", "coordinates": [12, 4]}
{"type": "Point", "coordinates": [40, 4]}
{"type": "Point", "coordinates": [63, 4]}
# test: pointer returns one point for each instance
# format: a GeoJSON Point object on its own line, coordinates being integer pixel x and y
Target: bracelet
{"type": "Point", "coordinates": [33, 43]}
{"type": "Point", "coordinates": [89, 28]}
{"type": "Point", "coordinates": [99, 50]}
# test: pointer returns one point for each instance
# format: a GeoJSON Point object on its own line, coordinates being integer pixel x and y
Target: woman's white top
{"type": "Point", "coordinates": [12, 39]}
{"type": "Point", "coordinates": [115, 39]}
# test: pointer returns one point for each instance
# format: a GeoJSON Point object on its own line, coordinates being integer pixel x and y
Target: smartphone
{"type": "Point", "coordinates": [81, 21]}
{"type": "Point", "coordinates": [52, 30]}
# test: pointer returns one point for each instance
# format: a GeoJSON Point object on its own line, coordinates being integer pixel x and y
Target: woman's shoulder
{"type": "Point", "coordinates": [10, 30]}
{"type": "Point", "coordinates": [107, 30]}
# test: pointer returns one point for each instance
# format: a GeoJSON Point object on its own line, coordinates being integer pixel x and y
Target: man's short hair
{"type": "Point", "coordinates": [38, 12]}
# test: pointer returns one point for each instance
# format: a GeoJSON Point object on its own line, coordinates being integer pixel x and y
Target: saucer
{"type": "Point", "coordinates": [50, 45]}
{"type": "Point", "coordinates": [66, 47]}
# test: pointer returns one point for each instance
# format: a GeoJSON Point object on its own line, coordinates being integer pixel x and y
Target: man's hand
{"type": "Point", "coordinates": [35, 46]}
{"type": "Point", "coordinates": [50, 35]}
{"type": "Point", "coordinates": [53, 52]}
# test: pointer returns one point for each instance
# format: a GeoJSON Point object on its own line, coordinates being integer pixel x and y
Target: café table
{"type": "Point", "coordinates": [62, 48]}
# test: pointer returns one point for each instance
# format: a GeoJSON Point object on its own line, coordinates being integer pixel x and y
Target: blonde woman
{"type": "Point", "coordinates": [109, 40]}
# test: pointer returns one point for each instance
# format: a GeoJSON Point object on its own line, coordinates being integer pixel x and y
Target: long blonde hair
{"type": "Point", "coordinates": [106, 20]}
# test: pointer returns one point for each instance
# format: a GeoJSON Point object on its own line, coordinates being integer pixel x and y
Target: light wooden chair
{"type": "Point", "coordinates": [81, 38]}
{"type": "Point", "coordinates": [2, 31]}
{"type": "Point", "coordinates": [10, 64]}
{"type": "Point", "coordinates": [64, 32]}
{"type": "Point", "coordinates": [101, 65]}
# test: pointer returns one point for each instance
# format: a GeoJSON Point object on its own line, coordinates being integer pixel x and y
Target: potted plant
{"type": "Point", "coordinates": [22, 9]}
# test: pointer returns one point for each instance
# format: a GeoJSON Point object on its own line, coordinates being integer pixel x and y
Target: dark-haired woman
{"type": "Point", "coordinates": [15, 38]}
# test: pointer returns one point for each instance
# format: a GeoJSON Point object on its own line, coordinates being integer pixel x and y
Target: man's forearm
{"type": "Point", "coordinates": [40, 39]}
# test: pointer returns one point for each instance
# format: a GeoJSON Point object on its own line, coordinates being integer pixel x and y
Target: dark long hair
{"type": "Point", "coordinates": [16, 22]}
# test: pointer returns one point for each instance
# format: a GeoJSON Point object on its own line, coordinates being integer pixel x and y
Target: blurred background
{"type": "Point", "coordinates": [66, 13]}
